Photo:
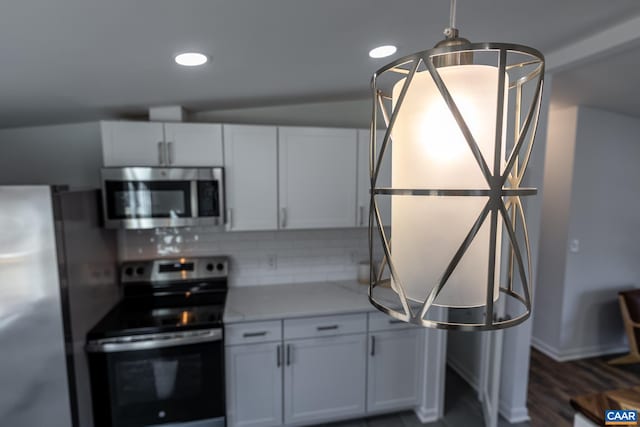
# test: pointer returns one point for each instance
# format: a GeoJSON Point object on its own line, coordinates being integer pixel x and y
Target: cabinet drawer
{"type": "Point", "coordinates": [312, 327]}
{"type": "Point", "coordinates": [382, 322]}
{"type": "Point", "coordinates": [253, 332]}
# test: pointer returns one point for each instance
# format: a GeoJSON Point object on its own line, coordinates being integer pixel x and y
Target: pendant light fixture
{"type": "Point", "coordinates": [456, 125]}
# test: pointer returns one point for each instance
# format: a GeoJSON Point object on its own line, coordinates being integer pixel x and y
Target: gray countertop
{"type": "Point", "coordinates": [270, 302]}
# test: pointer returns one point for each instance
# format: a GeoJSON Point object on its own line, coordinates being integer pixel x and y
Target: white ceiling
{"type": "Point", "coordinates": [73, 60]}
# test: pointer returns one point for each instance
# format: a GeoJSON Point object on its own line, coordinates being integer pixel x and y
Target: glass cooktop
{"type": "Point", "coordinates": [134, 316]}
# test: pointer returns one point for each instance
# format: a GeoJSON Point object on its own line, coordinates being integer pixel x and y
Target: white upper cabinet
{"type": "Point", "coordinates": [317, 172]}
{"type": "Point", "coordinates": [251, 173]}
{"type": "Point", "coordinates": [364, 180]}
{"type": "Point", "coordinates": [193, 144]}
{"type": "Point", "coordinates": [161, 144]}
{"type": "Point", "coordinates": [132, 143]}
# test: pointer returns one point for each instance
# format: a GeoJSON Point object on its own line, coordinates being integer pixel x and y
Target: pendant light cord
{"type": "Point", "coordinates": [452, 14]}
{"type": "Point", "coordinates": [451, 31]}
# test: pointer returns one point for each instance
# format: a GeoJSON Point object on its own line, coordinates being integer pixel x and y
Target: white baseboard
{"type": "Point", "coordinates": [545, 348]}
{"type": "Point", "coordinates": [576, 352]}
{"type": "Point", "coordinates": [513, 415]}
{"type": "Point", "coordinates": [427, 415]}
{"type": "Point", "coordinates": [464, 372]}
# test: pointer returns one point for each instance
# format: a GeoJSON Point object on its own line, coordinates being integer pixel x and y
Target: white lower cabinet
{"type": "Point", "coordinates": [319, 369]}
{"type": "Point", "coordinates": [394, 370]}
{"type": "Point", "coordinates": [324, 378]}
{"type": "Point", "coordinates": [254, 385]}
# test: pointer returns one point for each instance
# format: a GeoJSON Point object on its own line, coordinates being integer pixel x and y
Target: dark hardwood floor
{"type": "Point", "coordinates": [552, 384]}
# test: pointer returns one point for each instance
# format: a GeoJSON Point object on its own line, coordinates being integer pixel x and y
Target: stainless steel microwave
{"type": "Point", "coordinates": [143, 197]}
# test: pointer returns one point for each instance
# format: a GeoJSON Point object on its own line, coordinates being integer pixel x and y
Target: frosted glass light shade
{"type": "Point", "coordinates": [441, 118]}
{"type": "Point", "coordinates": [429, 151]}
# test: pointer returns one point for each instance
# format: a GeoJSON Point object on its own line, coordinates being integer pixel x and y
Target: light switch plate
{"type": "Point", "coordinates": [574, 246]}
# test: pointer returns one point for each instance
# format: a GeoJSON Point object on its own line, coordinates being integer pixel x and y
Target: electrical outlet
{"type": "Point", "coordinates": [574, 246]}
{"type": "Point", "coordinates": [272, 261]}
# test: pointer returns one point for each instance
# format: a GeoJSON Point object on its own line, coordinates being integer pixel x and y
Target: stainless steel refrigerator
{"type": "Point", "coordinates": [57, 279]}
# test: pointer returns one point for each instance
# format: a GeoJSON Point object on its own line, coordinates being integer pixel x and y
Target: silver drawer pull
{"type": "Point", "coordinates": [327, 328]}
{"type": "Point", "coordinates": [254, 334]}
{"type": "Point", "coordinates": [395, 321]}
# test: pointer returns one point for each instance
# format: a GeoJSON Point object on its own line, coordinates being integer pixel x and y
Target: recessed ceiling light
{"type": "Point", "coordinates": [191, 59]}
{"type": "Point", "coordinates": [383, 51]}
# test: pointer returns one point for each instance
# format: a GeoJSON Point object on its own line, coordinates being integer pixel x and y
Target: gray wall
{"type": "Point", "coordinates": [605, 206]}
{"type": "Point", "coordinates": [581, 317]}
{"type": "Point", "coordinates": [555, 224]}
{"type": "Point", "coordinates": [62, 155]}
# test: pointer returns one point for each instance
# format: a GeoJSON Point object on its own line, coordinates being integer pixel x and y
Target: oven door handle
{"type": "Point", "coordinates": [155, 342]}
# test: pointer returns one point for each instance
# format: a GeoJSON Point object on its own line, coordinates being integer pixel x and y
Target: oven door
{"type": "Point", "coordinates": [174, 379]}
{"type": "Point", "coordinates": [138, 198]}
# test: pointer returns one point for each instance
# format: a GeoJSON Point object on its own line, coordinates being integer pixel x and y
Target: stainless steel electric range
{"type": "Point", "coordinates": [157, 358]}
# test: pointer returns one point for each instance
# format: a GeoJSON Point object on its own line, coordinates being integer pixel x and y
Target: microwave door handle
{"type": "Point", "coordinates": [161, 153]}
{"type": "Point", "coordinates": [194, 199]}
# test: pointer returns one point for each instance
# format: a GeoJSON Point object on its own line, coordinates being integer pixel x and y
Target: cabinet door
{"type": "Point", "coordinates": [132, 144]}
{"type": "Point", "coordinates": [317, 177]}
{"type": "Point", "coordinates": [324, 378]}
{"type": "Point", "coordinates": [194, 144]}
{"type": "Point", "coordinates": [251, 172]}
{"type": "Point", "coordinates": [364, 181]}
{"type": "Point", "coordinates": [254, 385]}
{"type": "Point", "coordinates": [394, 370]}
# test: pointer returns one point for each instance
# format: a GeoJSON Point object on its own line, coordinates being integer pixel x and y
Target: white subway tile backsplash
{"type": "Point", "coordinates": [301, 256]}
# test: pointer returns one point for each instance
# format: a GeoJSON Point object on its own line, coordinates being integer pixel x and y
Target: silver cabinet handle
{"type": "Point", "coordinates": [373, 345]}
{"type": "Point", "coordinates": [161, 153]}
{"type": "Point", "coordinates": [278, 356]}
{"type": "Point", "coordinates": [288, 354]}
{"type": "Point", "coordinates": [170, 153]}
{"type": "Point", "coordinates": [254, 334]}
{"type": "Point", "coordinates": [393, 321]}
{"type": "Point", "coordinates": [283, 217]}
{"type": "Point", "coordinates": [327, 328]}
{"type": "Point", "coordinates": [361, 216]}
{"type": "Point", "coordinates": [230, 218]}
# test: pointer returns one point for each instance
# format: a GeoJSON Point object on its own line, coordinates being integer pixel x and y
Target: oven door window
{"type": "Point", "coordinates": [148, 199]}
{"type": "Point", "coordinates": [172, 384]}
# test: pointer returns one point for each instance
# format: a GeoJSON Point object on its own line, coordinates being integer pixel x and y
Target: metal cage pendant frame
{"type": "Point", "coordinates": [522, 68]}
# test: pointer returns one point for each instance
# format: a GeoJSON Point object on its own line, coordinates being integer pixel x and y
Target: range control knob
{"type": "Point", "coordinates": [209, 267]}
{"type": "Point", "coordinates": [128, 271]}
{"type": "Point", "coordinates": [140, 271]}
{"type": "Point", "coordinates": [219, 267]}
